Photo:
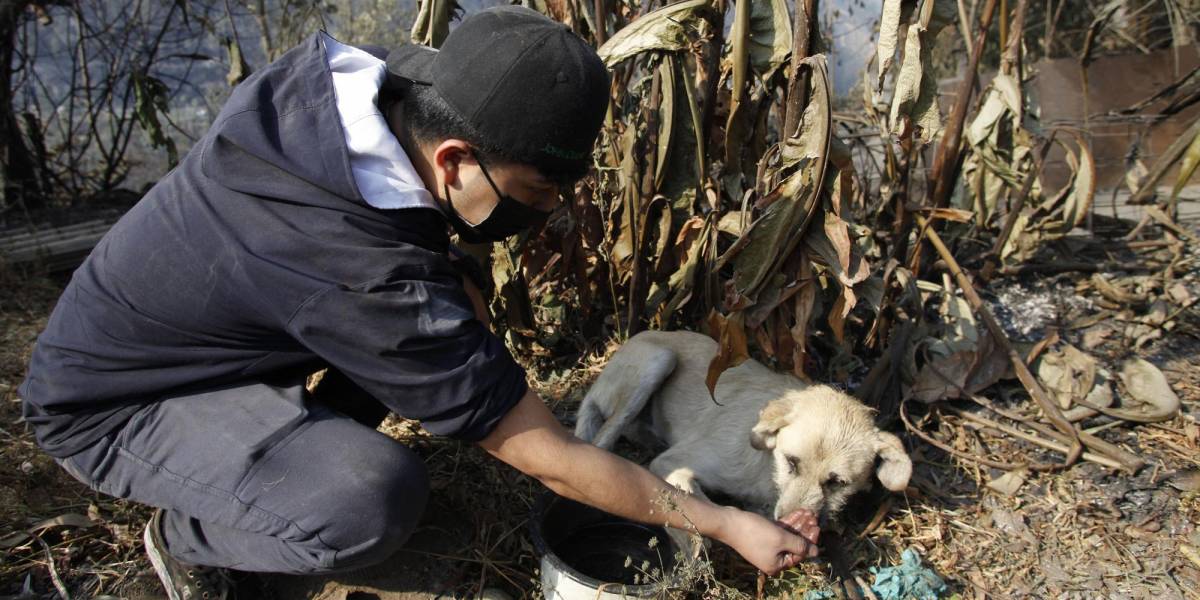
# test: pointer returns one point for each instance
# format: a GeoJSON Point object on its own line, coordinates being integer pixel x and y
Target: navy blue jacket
{"type": "Point", "coordinates": [258, 254]}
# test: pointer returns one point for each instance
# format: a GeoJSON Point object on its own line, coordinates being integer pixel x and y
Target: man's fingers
{"type": "Point", "coordinates": [810, 531]}
{"type": "Point", "coordinates": [801, 549]}
{"type": "Point", "coordinates": [803, 523]}
{"type": "Point", "coordinates": [790, 560]}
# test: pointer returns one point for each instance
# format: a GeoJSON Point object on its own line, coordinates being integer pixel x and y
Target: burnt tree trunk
{"type": "Point", "coordinates": [19, 169]}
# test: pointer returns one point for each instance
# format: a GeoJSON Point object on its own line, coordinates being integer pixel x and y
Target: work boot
{"type": "Point", "coordinates": [182, 581]}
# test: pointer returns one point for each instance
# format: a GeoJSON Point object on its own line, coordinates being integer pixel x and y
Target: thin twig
{"type": "Point", "coordinates": [987, 462]}
{"type": "Point", "coordinates": [54, 577]}
{"type": "Point", "coordinates": [1033, 439]}
{"type": "Point", "coordinates": [1132, 462]}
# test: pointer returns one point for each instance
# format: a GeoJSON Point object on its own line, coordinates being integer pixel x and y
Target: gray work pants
{"type": "Point", "coordinates": [263, 477]}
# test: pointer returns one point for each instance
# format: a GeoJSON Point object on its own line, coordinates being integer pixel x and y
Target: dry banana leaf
{"type": "Point", "coordinates": [769, 36]}
{"type": "Point", "coordinates": [433, 22]}
{"type": "Point", "coordinates": [669, 28]}
{"type": "Point", "coordinates": [800, 161]}
{"type": "Point", "coordinates": [914, 104]}
{"type": "Point", "coordinates": [894, 11]}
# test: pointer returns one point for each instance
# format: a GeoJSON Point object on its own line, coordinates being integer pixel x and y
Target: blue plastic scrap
{"type": "Point", "coordinates": [906, 581]}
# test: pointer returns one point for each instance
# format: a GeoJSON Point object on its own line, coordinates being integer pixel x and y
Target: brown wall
{"type": "Point", "coordinates": [1114, 82]}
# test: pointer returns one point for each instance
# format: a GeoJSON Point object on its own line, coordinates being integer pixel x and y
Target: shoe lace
{"type": "Point", "coordinates": [212, 583]}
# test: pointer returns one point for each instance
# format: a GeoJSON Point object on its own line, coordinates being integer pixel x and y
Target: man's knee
{"type": "Point", "coordinates": [373, 518]}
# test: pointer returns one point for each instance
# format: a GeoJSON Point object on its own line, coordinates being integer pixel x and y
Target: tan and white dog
{"type": "Point", "coordinates": [770, 440]}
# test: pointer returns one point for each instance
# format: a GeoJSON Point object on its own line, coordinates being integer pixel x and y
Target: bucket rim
{"type": "Point", "coordinates": [541, 505]}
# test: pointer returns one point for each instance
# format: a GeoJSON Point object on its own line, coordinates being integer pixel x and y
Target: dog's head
{"type": "Point", "coordinates": [825, 446]}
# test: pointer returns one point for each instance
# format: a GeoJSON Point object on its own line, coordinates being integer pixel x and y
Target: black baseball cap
{"type": "Point", "coordinates": [526, 83]}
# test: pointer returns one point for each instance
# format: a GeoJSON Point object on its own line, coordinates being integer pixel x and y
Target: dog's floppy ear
{"type": "Point", "coordinates": [774, 416]}
{"type": "Point", "coordinates": [894, 465]}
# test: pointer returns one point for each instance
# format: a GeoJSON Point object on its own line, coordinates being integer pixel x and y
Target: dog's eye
{"type": "Point", "coordinates": [793, 465]}
{"type": "Point", "coordinates": [833, 481]}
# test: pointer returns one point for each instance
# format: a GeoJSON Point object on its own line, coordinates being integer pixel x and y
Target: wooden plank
{"type": "Point", "coordinates": [22, 234]}
{"type": "Point", "coordinates": [51, 236]}
{"type": "Point", "coordinates": [60, 255]}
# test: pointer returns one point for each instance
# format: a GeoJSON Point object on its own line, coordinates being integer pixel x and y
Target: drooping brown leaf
{"type": "Point", "coordinates": [691, 243]}
{"type": "Point", "coordinates": [803, 305]}
{"type": "Point", "coordinates": [914, 105]}
{"type": "Point", "coordinates": [730, 334]}
{"type": "Point", "coordinates": [512, 288]}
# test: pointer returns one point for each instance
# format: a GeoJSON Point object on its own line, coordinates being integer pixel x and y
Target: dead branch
{"type": "Point", "coordinates": [1130, 461]}
{"type": "Point", "coordinates": [1069, 267]}
{"type": "Point", "coordinates": [987, 462]}
{"type": "Point", "coordinates": [945, 162]}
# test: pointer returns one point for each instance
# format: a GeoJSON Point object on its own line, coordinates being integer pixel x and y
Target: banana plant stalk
{"type": "Point", "coordinates": [945, 162]}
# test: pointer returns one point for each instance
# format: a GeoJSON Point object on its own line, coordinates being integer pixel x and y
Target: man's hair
{"type": "Point", "coordinates": [428, 119]}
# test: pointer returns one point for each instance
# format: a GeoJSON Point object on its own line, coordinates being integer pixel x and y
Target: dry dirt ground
{"type": "Point", "coordinates": [1083, 533]}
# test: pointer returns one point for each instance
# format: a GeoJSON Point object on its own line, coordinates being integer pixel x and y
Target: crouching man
{"type": "Point", "coordinates": [309, 228]}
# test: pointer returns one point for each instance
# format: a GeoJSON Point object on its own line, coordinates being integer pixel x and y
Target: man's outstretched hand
{"type": "Point", "coordinates": [773, 546]}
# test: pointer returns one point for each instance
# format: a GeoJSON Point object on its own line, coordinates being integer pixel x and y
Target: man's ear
{"type": "Point", "coordinates": [895, 468]}
{"type": "Point", "coordinates": [448, 156]}
{"type": "Point", "coordinates": [774, 416]}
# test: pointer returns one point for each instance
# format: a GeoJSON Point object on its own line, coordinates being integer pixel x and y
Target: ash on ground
{"type": "Point", "coordinates": [1026, 309]}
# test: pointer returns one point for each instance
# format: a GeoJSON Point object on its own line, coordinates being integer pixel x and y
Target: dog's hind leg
{"type": "Point", "coordinates": [590, 419]}
{"type": "Point", "coordinates": [621, 392]}
{"type": "Point", "coordinates": [673, 466]}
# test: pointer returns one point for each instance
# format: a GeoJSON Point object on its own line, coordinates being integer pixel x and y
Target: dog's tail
{"type": "Point", "coordinates": [624, 388]}
{"type": "Point", "coordinates": [589, 421]}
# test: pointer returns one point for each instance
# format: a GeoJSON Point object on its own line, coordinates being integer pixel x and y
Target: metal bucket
{"type": "Point", "coordinates": [584, 552]}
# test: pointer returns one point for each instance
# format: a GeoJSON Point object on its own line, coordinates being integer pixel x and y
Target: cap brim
{"type": "Point", "coordinates": [412, 63]}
